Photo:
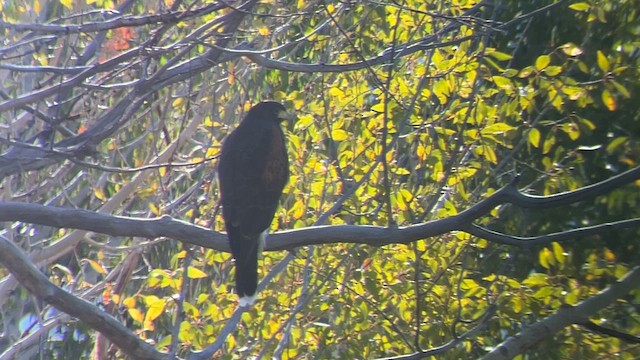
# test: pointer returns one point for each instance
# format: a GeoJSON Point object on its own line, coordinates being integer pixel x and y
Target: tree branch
{"type": "Point", "coordinates": [119, 22]}
{"type": "Point", "coordinates": [167, 226]}
{"type": "Point", "coordinates": [15, 260]}
{"type": "Point", "coordinates": [565, 316]}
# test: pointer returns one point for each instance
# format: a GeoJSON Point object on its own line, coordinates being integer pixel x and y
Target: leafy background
{"type": "Point", "coordinates": [471, 99]}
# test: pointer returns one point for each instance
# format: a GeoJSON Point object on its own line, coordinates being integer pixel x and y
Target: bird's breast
{"type": "Point", "coordinates": [276, 170]}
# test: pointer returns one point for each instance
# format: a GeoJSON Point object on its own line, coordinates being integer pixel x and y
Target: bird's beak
{"type": "Point", "coordinates": [287, 116]}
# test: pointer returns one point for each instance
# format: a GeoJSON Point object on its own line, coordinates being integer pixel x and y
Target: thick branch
{"type": "Point", "coordinates": [290, 239]}
{"type": "Point", "coordinates": [567, 315]}
{"type": "Point", "coordinates": [14, 259]}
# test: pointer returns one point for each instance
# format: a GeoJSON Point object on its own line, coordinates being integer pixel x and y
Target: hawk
{"type": "Point", "coordinates": [252, 171]}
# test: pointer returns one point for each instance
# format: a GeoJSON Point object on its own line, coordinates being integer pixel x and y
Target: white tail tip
{"type": "Point", "coordinates": [247, 300]}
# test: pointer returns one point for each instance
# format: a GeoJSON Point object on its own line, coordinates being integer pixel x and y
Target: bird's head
{"type": "Point", "coordinates": [270, 110]}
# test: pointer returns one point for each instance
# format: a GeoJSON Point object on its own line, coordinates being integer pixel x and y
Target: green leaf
{"type": "Point", "coordinates": [621, 89]}
{"type": "Point", "coordinates": [553, 70]}
{"type": "Point", "coordinates": [536, 279]}
{"type": "Point", "coordinates": [616, 143]}
{"type": "Point", "coordinates": [503, 83]}
{"type": "Point", "coordinates": [497, 128]}
{"type": "Point", "coordinates": [500, 56]}
{"type": "Point", "coordinates": [543, 292]}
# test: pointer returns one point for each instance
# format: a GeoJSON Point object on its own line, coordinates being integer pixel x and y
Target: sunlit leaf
{"type": "Point", "coordinates": [571, 49]}
{"type": "Point", "coordinates": [339, 135]}
{"type": "Point", "coordinates": [503, 83]}
{"type": "Point", "coordinates": [534, 137]}
{"type": "Point", "coordinates": [558, 253]}
{"type": "Point", "coordinates": [581, 6]}
{"type": "Point", "coordinates": [497, 128]}
{"type": "Point", "coordinates": [136, 314]}
{"type": "Point", "coordinates": [155, 307]}
{"type": "Point", "coordinates": [67, 3]}
{"type": "Point", "coordinates": [603, 62]}
{"type": "Point", "coordinates": [542, 62]}
{"type": "Point", "coordinates": [96, 266]}
{"type": "Point", "coordinates": [608, 100]}
{"type": "Point", "coordinates": [195, 273]}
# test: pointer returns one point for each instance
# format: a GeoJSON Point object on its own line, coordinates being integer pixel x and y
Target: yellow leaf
{"type": "Point", "coordinates": [549, 142]}
{"type": "Point", "coordinates": [603, 62]}
{"type": "Point", "coordinates": [129, 302]}
{"type": "Point", "coordinates": [154, 209]}
{"type": "Point", "coordinates": [558, 252]}
{"type": "Point", "coordinates": [195, 273]}
{"type": "Point", "coordinates": [232, 74]}
{"type": "Point", "coordinates": [136, 315]}
{"type": "Point", "coordinates": [36, 6]}
{"type": "Point", "coordinates": [534, 137]}
{"type": "Point", "coordinates": [489, 154]}
{"type": "Point", "coordinates": [609, 255]}
{"type": "Point", "coordinates": [608, 100]}
{"type": "Point", "coordinates": [339, 135]}
{"type": "Point", "coordinates": [263, 30]}
{"type": "Point", "coordinates": [99, 194]}
{"type": "Point", "coordinates": [546, 258]}
{"type": "Point", "coordinates": [542, 62]}
{"type": "Point", "coordinates": [177, 102]}
{"type": "Point", "coordinates": [97, 267]}
{"type": "Point", "coordinates": [154, 309]}
{"type": "Point", "coordinates": [497, 128]}
{"type": "Point", "coordinates": [67, 3]}
{"type": "Point", "coordinates": [581, 6]}
{"type": "Point", "coordinates": [571, 49]}
{"type": "Point", "coordinates": [553, 70]}
{"type": "Point", "coordinates": [186, 333]}
{"type": "Point", "coordinates": [503, 83]}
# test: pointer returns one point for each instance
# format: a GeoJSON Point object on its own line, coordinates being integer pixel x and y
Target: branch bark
{"type": "Point", "coordinates": [565, 316]}
{"type": "Point", "coordinates": [16, 261]}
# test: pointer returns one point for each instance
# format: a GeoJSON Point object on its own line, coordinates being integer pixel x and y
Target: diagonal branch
{"type": "Point", "coordinates": [15, 260]}
{"type": "Point", "coordinates": [565, 316]}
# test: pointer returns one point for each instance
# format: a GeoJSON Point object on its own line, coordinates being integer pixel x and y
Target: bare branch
{"type": "Point", "coordinates": [565, 316]}
{"type": "Point", "coordinates": [290, 239]}
{"type": "Point", "coordinates": [524, 241]}
{"type": "Point", "coordinates": [14, 259]}
{"type": "Point", "coordinates": [119, 22]}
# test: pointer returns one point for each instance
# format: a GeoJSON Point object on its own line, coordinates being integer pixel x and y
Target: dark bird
{"type": "Point", "coordinates": [252, 171]}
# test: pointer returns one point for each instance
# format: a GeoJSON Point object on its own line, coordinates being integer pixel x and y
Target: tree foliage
{"type": "Point", "coordinates": [475, 164]}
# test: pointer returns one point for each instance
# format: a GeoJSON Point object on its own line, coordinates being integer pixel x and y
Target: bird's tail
{"type": "Point", "coordinates": [247, 272]}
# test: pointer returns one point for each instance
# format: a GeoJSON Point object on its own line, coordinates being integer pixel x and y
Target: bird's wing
{"type": "Point", "coordinates": [253, 172]}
